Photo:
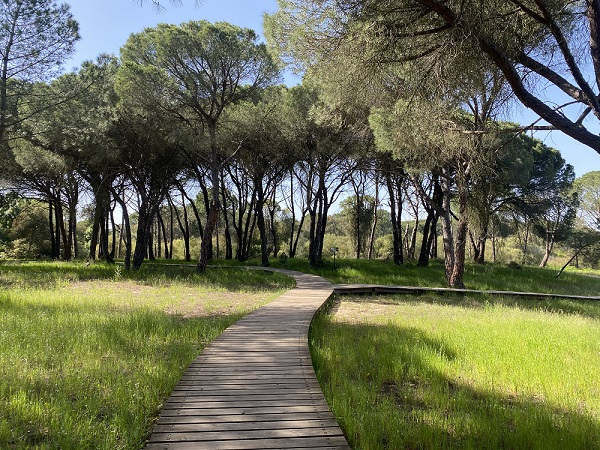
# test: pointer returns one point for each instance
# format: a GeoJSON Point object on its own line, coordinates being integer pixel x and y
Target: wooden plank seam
{"type": "Point", "coordinates": [254, 387]}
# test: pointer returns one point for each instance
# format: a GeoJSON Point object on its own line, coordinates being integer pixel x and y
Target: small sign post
{"type": "Point", "coordinates": [334, 251]}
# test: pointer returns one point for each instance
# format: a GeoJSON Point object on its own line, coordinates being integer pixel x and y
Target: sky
{"type": "Point", "coordinates": [105, 26]}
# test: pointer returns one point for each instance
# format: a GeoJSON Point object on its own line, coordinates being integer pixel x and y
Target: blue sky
{"type": "Point", "coordinates": [105, 26]}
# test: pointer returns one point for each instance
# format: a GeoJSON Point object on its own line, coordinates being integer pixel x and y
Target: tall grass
{"type": "Point", "coordinates": [88, 354]}
{"type": "Point", "coordinates": [486, 277]}
{"type": "Point", "coordinates": [472, 373]}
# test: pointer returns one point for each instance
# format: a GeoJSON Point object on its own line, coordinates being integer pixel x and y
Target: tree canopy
{"type": "Point", "coordinates": [532, 43]}
{"type": "Point", "coordinates": [36, 37]}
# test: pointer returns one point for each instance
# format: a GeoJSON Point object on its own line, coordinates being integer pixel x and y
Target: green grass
{"type": "Point", "coordinates": [462, 373]}
{"type": "Point", "coordinates": [88, 354]}
{"type": "Point", "coordinates": [488, 277]}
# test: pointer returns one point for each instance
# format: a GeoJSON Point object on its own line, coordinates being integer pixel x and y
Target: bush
{"type": "Point", "coordinates": [283, 257]}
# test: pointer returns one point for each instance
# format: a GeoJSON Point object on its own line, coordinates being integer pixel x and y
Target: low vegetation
{"type": "Point", "coordinates": [489, 276]}
{"type": "Point", "coordinates": [461, 372]}
{"type": "Point", "coordinates": [88, 354]}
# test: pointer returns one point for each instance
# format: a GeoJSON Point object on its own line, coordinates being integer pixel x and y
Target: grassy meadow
{"type": "Point", "coordinates": [487, 277]}
{"type": "Point", "coordinates": [472, 372]}
{"type": "Point", "coordinates": [88, 354]}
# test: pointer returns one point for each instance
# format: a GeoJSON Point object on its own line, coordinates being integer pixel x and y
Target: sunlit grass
{"type": "Point", "coordinates": [488, 277]}
{"type": "Point", "coordinates": [467, 373]}
{"type": "Point", "coordinates": [88, 354]}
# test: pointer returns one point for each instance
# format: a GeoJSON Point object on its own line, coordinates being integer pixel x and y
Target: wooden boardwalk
{"type": "Point", "coordinates": [254, 387]}
{"type": "Point", "coordinates": [351, 289]}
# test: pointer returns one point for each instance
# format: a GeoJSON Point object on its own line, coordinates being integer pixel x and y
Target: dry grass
{"type": "Point", "coordinates": [187, 301]}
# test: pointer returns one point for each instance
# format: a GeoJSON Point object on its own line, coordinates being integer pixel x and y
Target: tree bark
{"type": "Point", "coordinates": [227, 231]}
{"type": "Point", "coordinates": [264, 250]}
{"type": "Point", "coordinates": [424, 252]}
{"type": "Point", "coordinates": [272, 211]}
{"type": "Point", "coordinates": [143, 233]}
{"type": "Point", "coordinates": [127, 224]}
{"type": "Point", "coordinates": [53, 251]}
{"type": "Point", "coordinates": [215, 202]}
{"type": "Point", "coordinates": [462, 229]}
{"type": "Point", "coordinates": [375, 220]}
{"type": "Point", "coordinates": [61, 228]}
{"type": "Point", "coordinates": [447, 234]}
{"type": "Point", "coordinates": [395, 195]}
{"type": "Point", "coordinates": [163, 228]}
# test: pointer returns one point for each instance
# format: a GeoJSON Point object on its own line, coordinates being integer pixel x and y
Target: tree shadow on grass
{"type": "Point", "coordinates": [388, 392]}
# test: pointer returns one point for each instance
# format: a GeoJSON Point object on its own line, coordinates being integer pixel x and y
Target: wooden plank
{"type": "Point", "coordinates": [289, 410]}
{"type": "Point", "coordinates": [248, 376]}
{"type": "Point", "coordinates": [199, 434]}
{"type": "Point", "coordinates": [246, 385]}
{"type": "Point", "coordinates": [244, 426]}
{"type": "Point", "coordinates": [254, 387]}
{"type": "Point", "coordinates": [221, 419]}
{"type": "Point", "coordinates": [323, 443]}
{"type": "Point", "coordinates": [219, 382]}
{"type": "Point", "coordinates": [227, 396]}
{"type": "Point", "coordinates": [240, 393]}
{"type": "Point", "coordinates": [275, 403]}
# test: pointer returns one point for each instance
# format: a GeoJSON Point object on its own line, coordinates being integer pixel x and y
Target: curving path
{"type": "Point", "coordinates": [254, 387]}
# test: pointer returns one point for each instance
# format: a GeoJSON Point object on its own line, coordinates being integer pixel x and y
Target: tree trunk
{"type": "Point", "coordinates": [447, 235]}
{"type": "Point", "coordinates": [375, 220]}
{"type": "Point", "coordinates": [424, 252]}
{"type": "Point", "coordinates": [549, 245]}
{"type": "Point", "coordinates": [462, 230]}
{"type": "Point", "coordinates": [183, 226]}
{"type": "Point", "coordinates": [61, 229]}
{"type": "Point", "coordinates": [113, 250]}
{"type": "Point", "coordinates": [526, 239]}
{"type": "Point", "coordinates": [171, 231]}
{"type": "Point", "coordinates": [163, 229]}
{"type": "Point", "coordinates": [57, 234]}
{"type": "Point", "coordinates": [127, 224]}
{"type": "Point", "coordinates": [312, 246]}
{"type": "Point", "coordinates": [395, 215]}
{"type": "Point", "coordinates": [272, 211]}
{"type": "Point", "coordinates": [317, 230]}
{"type": "Point", "coordinates": [227, 231]}
{"type": "Point", "coordinates": [291, 252]}
{"type": "Point", "coordinates": [54, 247]}
{"type": "Point", "coordinates": [72, 194]}
{"type": "Point", "coordinates": [433, 235]}
{"type": "Point", "coordinates": [74, 236]}
{"type": "Point", "coordinates": [247, 229]}
{"type": "Point", "coordinates": [413, 239]}
{"type": "Point", "coordinates": [151, 255]}
{"type": "Point", "coordinates": [357, 227]}
{"type": "Point", "coordinates": [264, 250]}
{"type": "Point", "coordinates": [296, 239]}
{"type": "Point", "coordinates": [213, 215]}
{"type": "Point", "coordinates": [104, 237]}
{"type": "Point", "coordinates": [142, 239]}
{"type": "Point", "coordinates": [159, 236]}
{"type": "Point", "coordinates": [481, 246]}
{"type": "Point", "coordinates": [120, 246]}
